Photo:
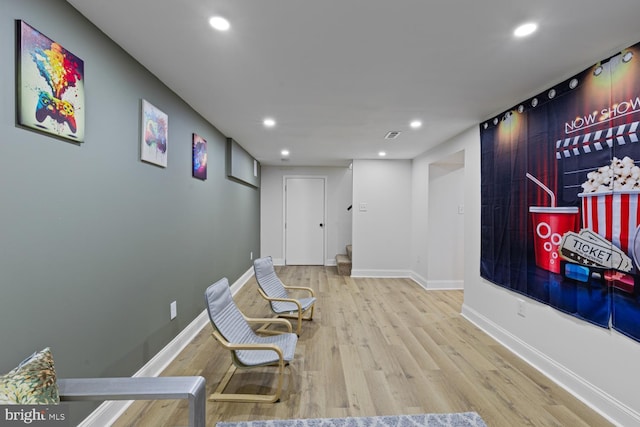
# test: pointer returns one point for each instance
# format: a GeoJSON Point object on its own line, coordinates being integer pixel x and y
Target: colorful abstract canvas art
{"type": "Point", "coordinates": [50, 92]}
{"type": "Point", "coordinates": [155, 135]}
{"type": "Point", "coordinates": [199, 157]}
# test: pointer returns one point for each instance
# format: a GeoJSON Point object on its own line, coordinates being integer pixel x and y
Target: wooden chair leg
{"type": "Point", "coordinates": [219, 396]}
{"type": "Point", "coordinates": [300, 318]}
{"type": "Point", "coordinates": [299, 328]}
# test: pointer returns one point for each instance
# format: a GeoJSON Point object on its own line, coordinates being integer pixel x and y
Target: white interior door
{"type": "Point", "coordinates": [304, 221]}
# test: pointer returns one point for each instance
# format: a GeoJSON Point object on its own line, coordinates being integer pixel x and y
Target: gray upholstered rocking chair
{"type": "Point", "coordinates": [273, 290]}
{"type": "Point", "coordinates": [248, 350]}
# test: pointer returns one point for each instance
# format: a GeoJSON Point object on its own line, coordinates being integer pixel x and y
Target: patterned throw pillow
{"type": "Point", "coordinates": [33, 382]}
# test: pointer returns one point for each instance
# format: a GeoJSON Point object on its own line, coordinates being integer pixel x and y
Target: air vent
{"type": "Point", "coordinates": [392, 135]}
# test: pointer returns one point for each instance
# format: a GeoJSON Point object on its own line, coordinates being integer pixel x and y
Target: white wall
{"type": "Point", "coordinates": [381, 230]}
{"type": "Point", "coordinates": [446, 225]}
{"type": "Point", "coordinates": [600, 366]}
{"type": "Point", "coordinates": [337, 223]}
{"type": "Point", "coordinates": [437, 177]}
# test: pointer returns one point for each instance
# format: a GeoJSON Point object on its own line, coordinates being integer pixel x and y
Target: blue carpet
{"type": "Point", "coordinates": [463, 419]}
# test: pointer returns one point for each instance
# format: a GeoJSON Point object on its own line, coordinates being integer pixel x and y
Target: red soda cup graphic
{"type": "Point", "coordinates": [549, 225]}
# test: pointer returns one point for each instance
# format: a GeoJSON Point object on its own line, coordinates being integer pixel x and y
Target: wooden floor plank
{"type": "Point", "coordinates": [375, 347]}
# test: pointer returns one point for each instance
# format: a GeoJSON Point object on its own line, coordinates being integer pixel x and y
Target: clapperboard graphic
{"type": "Point", "coordinates": [599, 140]}
{"type": "Point", "coordinates": [613, 215]}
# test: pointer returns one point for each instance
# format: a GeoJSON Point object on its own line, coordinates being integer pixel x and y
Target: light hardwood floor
{"type": "Point", "coordinates": [375, 347]}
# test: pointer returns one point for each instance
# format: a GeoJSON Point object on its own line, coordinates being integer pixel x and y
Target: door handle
{"type": "Point", "coordinates": [321, 225]}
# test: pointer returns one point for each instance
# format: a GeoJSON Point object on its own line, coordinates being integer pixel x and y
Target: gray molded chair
{"type": "Point", "coordinates": [232, 330]}
{"type": "Point", "coordinates": [273, 290]}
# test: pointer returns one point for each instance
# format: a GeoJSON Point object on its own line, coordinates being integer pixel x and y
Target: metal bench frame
{"type": "Point", "coordinates": [139, 388]}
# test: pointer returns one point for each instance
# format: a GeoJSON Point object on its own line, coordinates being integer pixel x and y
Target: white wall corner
{"type": "Point", "coordinates": [419, 280]}
{"type": "Point", "coordinates": [437, 285]}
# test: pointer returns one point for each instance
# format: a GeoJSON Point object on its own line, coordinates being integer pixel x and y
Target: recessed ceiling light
{"type": "Point", "coordinates": [382, 154]}
{"type": "Point", "coordinates": [525, 29]}
{"type": "Point", "coordinates": [285, 152]}
{"type": "Point", "coordinates": [268, 122]}
{"type": "Point", "coordinates": [415, 124]}
{"type": "Point", "coordinates": [219, 23]}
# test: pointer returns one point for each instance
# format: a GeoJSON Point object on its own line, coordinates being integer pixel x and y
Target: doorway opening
{"type": "Point", "coordinates": [446, 223]}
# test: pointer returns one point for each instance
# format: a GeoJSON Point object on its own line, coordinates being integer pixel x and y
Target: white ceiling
{"type": "Point", "coordinates": [337, 75]}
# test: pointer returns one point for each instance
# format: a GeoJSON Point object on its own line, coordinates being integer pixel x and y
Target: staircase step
{"type": "Point", "coordinates": [343, 263]}
{"type": "Point", "coordinates": [349, 251]}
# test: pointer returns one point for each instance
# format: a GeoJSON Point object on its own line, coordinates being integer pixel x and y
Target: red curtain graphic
{"type": "Point", "coordinates": [560, 188]}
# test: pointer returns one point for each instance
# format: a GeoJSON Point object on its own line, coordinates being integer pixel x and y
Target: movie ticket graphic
{"type": "Point", "coordinates": [590, 249]}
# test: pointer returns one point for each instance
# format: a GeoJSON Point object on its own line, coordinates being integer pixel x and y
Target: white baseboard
{"type": "Point", "coordinates": [108, 412]}
{"type": "Point", "coordinates": [607, 406]}
{"type": "Point", "coordinates": [382, 273]}
{"type": "Point", "coordinates": [281, 262]}
{"type": "Point", "coordinates": [437, 285]}
{"type": "Point", "coordinates": [430, 285]}
{"type": "Point", "coordinates": [443, 285]}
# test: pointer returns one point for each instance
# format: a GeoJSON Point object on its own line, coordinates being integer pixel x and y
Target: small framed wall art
{"type": "Point", "coordinates": [50, 87]}
{"type": "Point", "coordinates": [199, 166]}
{"type": "Point", "coordinates": [155, 135]}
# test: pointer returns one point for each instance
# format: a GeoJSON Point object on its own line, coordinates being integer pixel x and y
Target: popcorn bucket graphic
{"type": "Point", "coordinates": [613, 215]}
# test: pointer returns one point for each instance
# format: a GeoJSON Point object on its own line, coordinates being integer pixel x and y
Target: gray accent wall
{"type": "Point", "coordinates": [96, 244]}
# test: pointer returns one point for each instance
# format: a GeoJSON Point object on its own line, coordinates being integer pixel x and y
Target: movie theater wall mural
{"type": "Point", "coordinates": [560, 189]}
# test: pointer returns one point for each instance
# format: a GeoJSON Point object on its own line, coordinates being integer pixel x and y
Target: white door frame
{"type": "Point", "coordinates": [284, 214]}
